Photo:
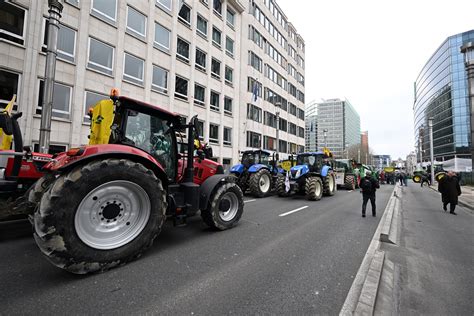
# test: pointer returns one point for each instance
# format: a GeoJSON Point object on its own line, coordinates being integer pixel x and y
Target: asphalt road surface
{"type": "Point", "coordinates": [286, 256]}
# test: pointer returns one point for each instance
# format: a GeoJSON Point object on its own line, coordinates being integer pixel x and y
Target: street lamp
{"type": "Point", "coordinates": [325, 134]}
{"type": "Point", "coordinates": [468, 50]}
{"type": "Point", "coordinates": [277, 112]}
{"type": "Point", "coordinates": [430, 126]}
{"type": "Point", "coordinates": [55, 9]}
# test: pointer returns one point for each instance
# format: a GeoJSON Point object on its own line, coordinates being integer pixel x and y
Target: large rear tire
{"type": "Point", "coordinates": [349, 181]}
{"type": "Point", "coordinates": [260, 183]}
{"type": "Point", "coordinates": [280, 186]}
{"type": "Point", "coordinates": [329, 185]}
{"type": "Point", "coordinates": [100, 215]}
{"type": "Point", "coordinates": [313, 188]}
{"type": "Point", "coordinates": [225, 208]}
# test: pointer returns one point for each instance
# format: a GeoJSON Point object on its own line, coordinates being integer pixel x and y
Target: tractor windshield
{"type": "Point", "coordinates": [305, 160]}
{"type": "Point", "coordinates": [153, 135]}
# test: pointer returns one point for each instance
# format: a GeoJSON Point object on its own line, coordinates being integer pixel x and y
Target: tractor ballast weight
{"type": "Point", "coordinates": [256, 172]}
{"type": "Point", "coordinates": [312, 176]}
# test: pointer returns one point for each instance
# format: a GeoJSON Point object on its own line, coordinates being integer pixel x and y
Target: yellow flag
{"type": "Point", "coordinates": [6, 140]}
{"type": "Point", "coordinates": [102, 118]}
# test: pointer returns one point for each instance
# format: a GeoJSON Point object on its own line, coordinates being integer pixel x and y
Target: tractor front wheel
{"type": "Point", "coordinates": [225, 208]}
{"type": "Point", "coordinates": [349, 181]}
{"type": "Point", "coordinates": [260, 183]}
{"type": "Point", "coordinates": [329, 185]}
{"type": "Point", "coordinates": [281, 187]}
{"type": "Point", "coordinates": [313, 188]}
{"type": "Point", "coordinates": [100, 215]}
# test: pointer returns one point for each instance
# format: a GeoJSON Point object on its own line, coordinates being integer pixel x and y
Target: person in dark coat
{"type": "Point", "coordinates": [368, 187]}
{"type": "Point", "coordinates": [450, 190]}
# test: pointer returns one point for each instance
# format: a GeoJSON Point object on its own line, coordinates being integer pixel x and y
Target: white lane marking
{"type": "Point", "coordinates": [249, 201]}
{"type": "Point", "coordinates": [290, 212]}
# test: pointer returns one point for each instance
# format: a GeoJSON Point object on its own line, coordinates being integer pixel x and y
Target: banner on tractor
{"type": "Point", "coordinates": [5, 139]}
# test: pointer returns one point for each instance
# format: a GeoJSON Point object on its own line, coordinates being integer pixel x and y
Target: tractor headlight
{"type": "Point", "coordinates": [298, 173]}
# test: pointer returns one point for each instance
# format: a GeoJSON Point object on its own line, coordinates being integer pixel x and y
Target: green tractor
{"type": "Point", "coordinates": [347, 174]}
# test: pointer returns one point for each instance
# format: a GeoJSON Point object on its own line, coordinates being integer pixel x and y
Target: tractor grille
{"type": "Point", "coordinates": [293, 173]}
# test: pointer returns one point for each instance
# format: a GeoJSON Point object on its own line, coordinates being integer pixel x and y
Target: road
{"type": "Point", "coordinates": [300, 263]}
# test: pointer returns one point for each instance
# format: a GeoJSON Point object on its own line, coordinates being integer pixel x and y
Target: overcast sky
{"type": "Point", "coordinates": [370, 52]}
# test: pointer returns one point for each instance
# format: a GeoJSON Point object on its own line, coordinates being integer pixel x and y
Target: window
{"type": "Point", "coordinates": [105, 9]}
{"type": "Point", "coordinates": [269, 143]}
{"type": "Point", "coordinates": [133, 69]}
{"type": "Point", "coordinates": [9, 83]}
{"type": "Point", "coordinates": [227, 136]}
{"type": "Point", "coordinates": [200, 60]}
{"type": "Point", "coordinates": [181, 88]}
{"type": "Point", "coordinates": [199, 94]}
{"type": "Point", "coordinates": [254, 140]}
{"type": "Point", "coordinates": [230, 18]}
{"type": "Point", "coordinates": [160, 79]}
{"type": "Point", "coordinates": [200, 129]}
{"type": "Point", "coordinates": [300, 132]}
{"type": "Point", "coordinates": [201, 25]}
{"type": "Point", "coordinates": [229, 75]}
{"type": "Point", "coordinates": [12, 23]}
{"type": "Point", "coordinates": [136, 22]}
{"type": "Point", "coordinates": [283, 125]}
{"type": "Point", "coordinates": [255, 61]}
{"type": "Point", "coordinates": [215, 101]}
{"type": "Point", "coordinates": [215, 68]}
{"type": "Point", "coordinates": [229, 46]}
{"type": "Point", "coordinates": [162, 37]}
{"type": "Point", "coordinates": [217, 5]}
{"type": "Point", "coordinates": [270, 119]}
{"type": "Point", "coordinates": [66, 42]}
{"type": "Point", "coordinates": [216, 37]}
{"type": "Point", "coordinates": [91, 99]}
{"type": "Point", "coordinates": [73, 2]}
{"type": "Point", "coordinates": [165, 3]}
{"type": "Point", "coordinates": [254, 113]}
{"type": "Point", "coordinates": [101, 56]}
{"type": "Point", "coordinates": [214, 133]}
{"type": "Point", "coordinates": [227, 105]}
{"type": "Point", "coordinates": [184, 14]}
{"type": "Point", "coordinates": [182, 51]}
{"type": "Point", "coordinates": [254, 86]}
{"type": "Point", "coordinates": [61, 100]}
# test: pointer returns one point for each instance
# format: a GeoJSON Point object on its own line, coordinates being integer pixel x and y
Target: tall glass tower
{"type": "Point", "coordinates": [441, 92]}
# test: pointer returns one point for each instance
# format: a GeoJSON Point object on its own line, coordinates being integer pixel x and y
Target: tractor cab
{"type": "Point", "coordinates": [252, 157]}
{"type": "Point", "coordinates": [311, 162]}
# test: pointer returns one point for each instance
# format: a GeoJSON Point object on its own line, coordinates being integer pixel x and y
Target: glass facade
{"type": "Point", "coordinates": [441, 92]}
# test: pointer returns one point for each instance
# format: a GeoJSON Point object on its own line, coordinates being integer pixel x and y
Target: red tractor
{"type": "Point", "coordinates": [104, 204]}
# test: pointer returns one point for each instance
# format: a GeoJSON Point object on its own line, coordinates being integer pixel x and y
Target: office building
{"type": "Point", "coordinates": [441, 92]}
{"type": "Point", "coordinates": [338, 126]}
{"type": "Point", "coordinates": [381, 161]}
{"type": "Point", "coordinates": [311, 126]}
{"type": "Point", "coordinates": [205, 57]}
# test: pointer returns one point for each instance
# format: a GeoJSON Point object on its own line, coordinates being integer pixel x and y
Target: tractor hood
{"type": "Point", "coordinates": [298, 171]}
{"type": "Point", "coordinates": [237, 168]}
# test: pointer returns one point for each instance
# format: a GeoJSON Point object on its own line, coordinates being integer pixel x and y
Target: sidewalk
{"type": "Point", "coordinates": [466, 198]}
{"type": "Point", "coordinates": [429, 270]}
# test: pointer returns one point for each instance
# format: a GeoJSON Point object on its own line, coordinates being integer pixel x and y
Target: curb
{"type": "Point", "coordinates": [363, 293]}
{"type": "Point", "coordinates": [388, 232]}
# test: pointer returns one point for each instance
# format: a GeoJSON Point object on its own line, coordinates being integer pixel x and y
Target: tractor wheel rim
{"type": "Point", "coordinates": [331, 183]}
{"type": "Point", "coordinates": [232, 206]}
{"type": "Point", "coordinates": [317, 189]}
{"type": "Point", "coordinates": [264, 183]}
{"type": "Point", "coordinates": [112, 214]}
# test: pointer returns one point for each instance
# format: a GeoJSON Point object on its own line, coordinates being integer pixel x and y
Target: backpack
{"type": "Point", "coordinates": [366, 186]}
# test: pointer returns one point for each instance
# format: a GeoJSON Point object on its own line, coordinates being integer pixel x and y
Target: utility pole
{"type": "Point", "coordinates": [277, 112]}
{"type": "Point", "coordinates": [430, 126]}
{"type": "Point", "coordinates": [358, 155]}
{"type": "Point", "coordinates": [55, 9]}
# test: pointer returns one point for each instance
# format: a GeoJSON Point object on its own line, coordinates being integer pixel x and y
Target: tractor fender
{"type": "Point", "coordinates": [237, 169]}
{"type": "Point", "coordinates": [257, 167]}
{"type": "Point", "coordinates": [63, 162]}
{"type": "Point", "coordinates": [325, 170]}
{"type": "Point", "coordinates": [209, 185]}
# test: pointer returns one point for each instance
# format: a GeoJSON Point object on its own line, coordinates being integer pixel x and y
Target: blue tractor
{"type": "Point", "coordinates": [312, 176]}
{"type": "Point", "coordinates": [256, 172]}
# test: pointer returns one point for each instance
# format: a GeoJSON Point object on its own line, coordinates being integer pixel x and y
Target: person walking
{"type": "Point", "coordinates": [368, 187]}
{"type": "Point", "coordinates": [450, 190]}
